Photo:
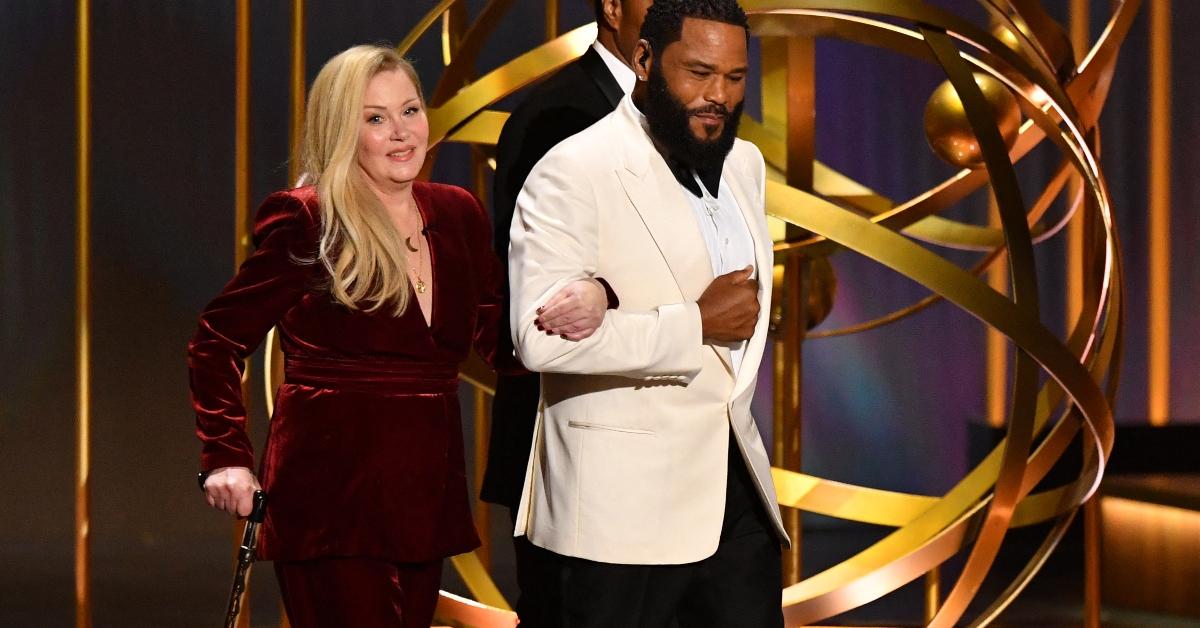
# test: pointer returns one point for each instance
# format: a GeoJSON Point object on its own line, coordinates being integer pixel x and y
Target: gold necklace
{"type": "Point", "coordinates": [421, 287]}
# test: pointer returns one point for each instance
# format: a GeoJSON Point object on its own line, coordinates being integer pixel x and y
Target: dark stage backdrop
{"type": "Point", "coordinates": [887, 409]}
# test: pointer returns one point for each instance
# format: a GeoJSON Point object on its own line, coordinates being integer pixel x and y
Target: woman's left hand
{"type": "Point", "coordinates": [576, 311]}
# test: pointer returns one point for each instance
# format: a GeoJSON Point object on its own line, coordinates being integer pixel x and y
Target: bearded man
{"type": "Point", "coordinates": [564, 104]}
{"type": "Point", "coordinates": [648, 480]}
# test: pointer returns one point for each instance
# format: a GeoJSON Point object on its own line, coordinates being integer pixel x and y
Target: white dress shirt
{"type": "Point", "coordinates": [727, 237]}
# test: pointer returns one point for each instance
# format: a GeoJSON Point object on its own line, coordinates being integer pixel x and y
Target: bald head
{"type": "Point", "coordinates": [620, 25]}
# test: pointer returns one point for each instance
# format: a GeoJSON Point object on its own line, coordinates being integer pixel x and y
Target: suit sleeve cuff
{"type": "Point", "coordinates": [211, 460]}
{"type": "Point", "coordinates": [613, 301]}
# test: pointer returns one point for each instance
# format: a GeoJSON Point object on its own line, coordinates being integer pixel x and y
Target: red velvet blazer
{"type": "Point", "coordinates": [365, 451]}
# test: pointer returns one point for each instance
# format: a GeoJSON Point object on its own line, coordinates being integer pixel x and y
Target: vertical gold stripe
{"type": "Point", "coordinates": [800, 55]}
{"type": "Point", "coordinates": [1159, 384]}
{"type": "Point", "coordinates": [1091, 562]}
{"type": "Point", "coordinates": [241, 213]}
{"type": "Point", "coordinates": [297, 76]}
{"type": "Point", "coordinates": [997, 343]}
{"type": "Point", "coordinates": [773, 61]}
{"type": "Point", "coordinates": [241, 154]}
{"type": "Point", "coordinates": [552, 19]}
{"type": "Point", "coordinates": [794, 298]}
{"type": "Point", "coordinates": [933, 593]}
{"type": "Point", "coordinates": [1080, 22]}
{"type": "Point", "coordinates": [83, 315]}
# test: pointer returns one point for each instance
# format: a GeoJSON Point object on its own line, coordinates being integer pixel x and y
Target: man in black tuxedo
{"type": "Point", "coordinates": [564, 104]}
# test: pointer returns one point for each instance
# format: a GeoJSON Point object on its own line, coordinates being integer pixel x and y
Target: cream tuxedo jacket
{"type": "Point", "coordinates": [631, 442]}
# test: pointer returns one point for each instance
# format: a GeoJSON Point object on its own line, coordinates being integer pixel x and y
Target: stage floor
{"type": "Point", "coordinates": [158, 584]}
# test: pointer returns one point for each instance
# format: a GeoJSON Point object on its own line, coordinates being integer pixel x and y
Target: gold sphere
{"type": "Point", "coordinates": [1055, 43]}
{"type": "Point", "coordinates": [1006, 37]}
{"type": "Point", "coordinates": [1001, 30]}
{"type": "Point", "coordinates": [949, 132]}
{"type": "Point", "coordinates": [1005, 34]}
{"type": "Point", "coordinates": [822, 288]}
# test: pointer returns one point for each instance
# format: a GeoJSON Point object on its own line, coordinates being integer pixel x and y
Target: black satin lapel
{"type": "Point", "coordinates": [595, 67]}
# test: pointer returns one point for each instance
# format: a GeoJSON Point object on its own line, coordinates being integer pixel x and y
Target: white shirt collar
{"type": "Point", "coordinates": [621, 72]}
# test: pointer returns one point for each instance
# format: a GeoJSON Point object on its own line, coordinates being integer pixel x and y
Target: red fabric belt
{"type": "Point", "coordinates": [383, 376]}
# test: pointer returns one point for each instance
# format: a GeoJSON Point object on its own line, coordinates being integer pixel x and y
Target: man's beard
{"type": "Point", "coordinates": [669, 124]}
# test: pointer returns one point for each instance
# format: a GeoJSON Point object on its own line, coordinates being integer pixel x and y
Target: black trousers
{"type": "Point", "coordinates": [737, 587]}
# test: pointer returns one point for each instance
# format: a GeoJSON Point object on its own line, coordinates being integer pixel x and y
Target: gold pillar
{"type": "Point", "coordinates": [83, 316]}
{"type": "Point", "coordinates": [788, 395]}
{"type": "Point", "coordinates": [773, 61]}
{"type": "Point", "coordinates": [241, 214]}
{"type": "Point", "coordinates": [1091, 561]}
{"type": "Point", "coordinates": [1080, 262]}
{"type": "Point", "coordinates": [552, 19]}
{"type": "Point", "coordinates": [997, 343]}
{"type": "Point", "coordinates": [241, 149]}
{"type": "Point", "coordinates": [1080, 21]}
{"type": "Point", "coordinates": [297, 84]}
{"type": "Point", "coordinates": [933, 593]}
{"type": "Point", "coordinates": [1080, 24]}
{"type": "Point", "coordinates": [801, 118]}
{"type": "Point", "coordinates": [1159, 367]}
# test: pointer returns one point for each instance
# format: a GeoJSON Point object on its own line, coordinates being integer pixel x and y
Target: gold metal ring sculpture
{"type": "Point", "coordinates": [1025, 54]}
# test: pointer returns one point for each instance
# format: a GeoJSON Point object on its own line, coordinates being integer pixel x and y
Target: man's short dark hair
{"type": "Point", "coordinates": [664, 20]}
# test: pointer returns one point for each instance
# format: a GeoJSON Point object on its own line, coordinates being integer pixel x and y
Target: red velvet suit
{"type": "Point", "coordinates": [365, 452]}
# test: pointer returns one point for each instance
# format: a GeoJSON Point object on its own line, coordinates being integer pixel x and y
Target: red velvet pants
{"type": "Point", "coordinates": [336, 592]}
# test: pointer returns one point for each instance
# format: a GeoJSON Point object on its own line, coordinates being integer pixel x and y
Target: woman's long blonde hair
{"type": "Point", "coordinates": [359, 245]}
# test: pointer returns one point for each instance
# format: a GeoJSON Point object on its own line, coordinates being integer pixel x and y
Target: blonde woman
{"type": "Point", "coordinates": [380, 286]}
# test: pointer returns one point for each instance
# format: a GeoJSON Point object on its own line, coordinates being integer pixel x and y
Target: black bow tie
{"type": "Point", "coordinates": [683, 174]}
